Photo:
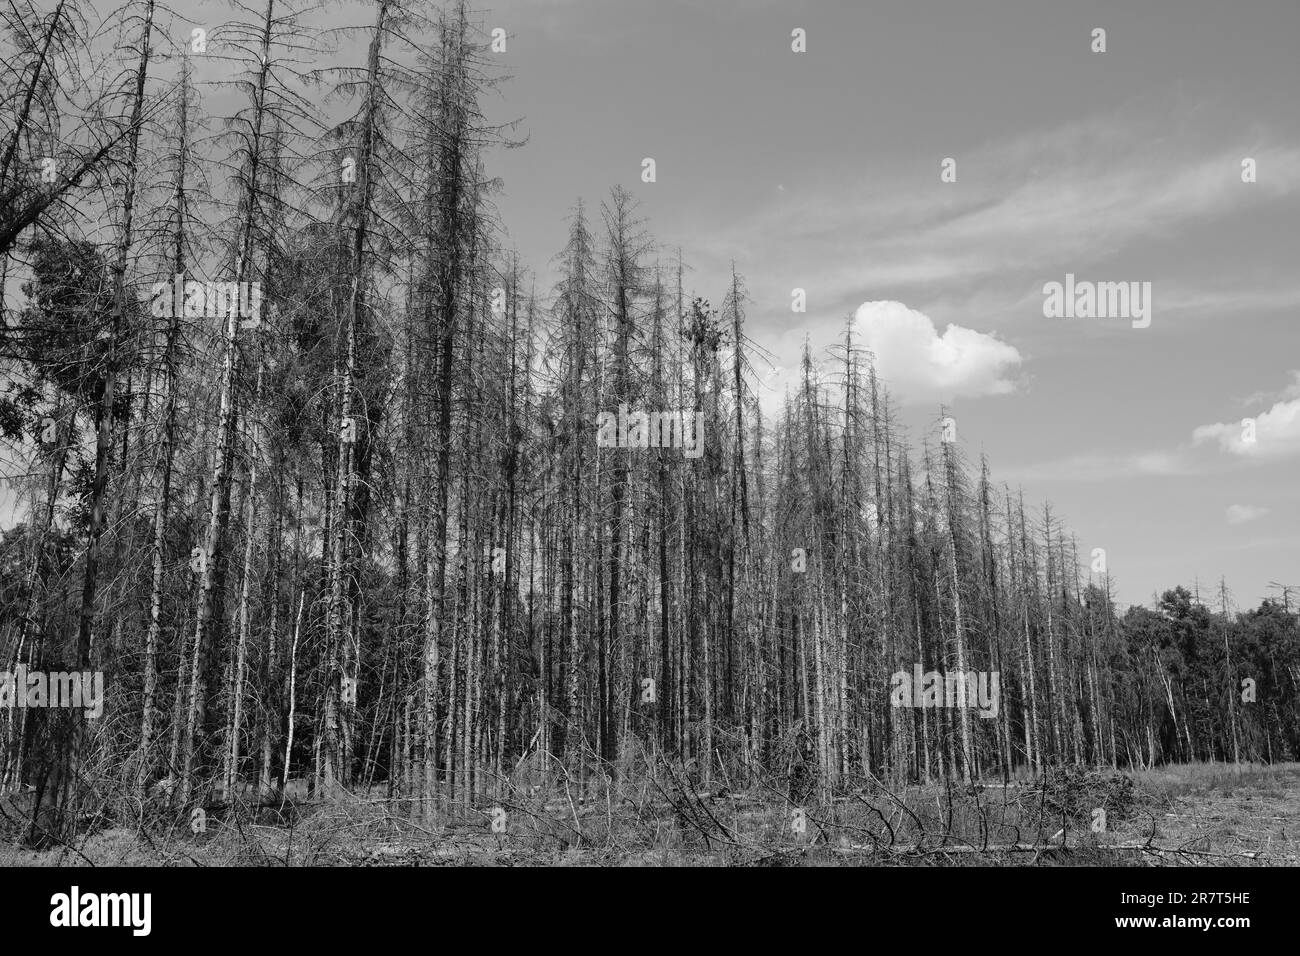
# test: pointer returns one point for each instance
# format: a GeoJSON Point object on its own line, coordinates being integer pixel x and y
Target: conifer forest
{"type": "Point", "coordinates": [325, 507]}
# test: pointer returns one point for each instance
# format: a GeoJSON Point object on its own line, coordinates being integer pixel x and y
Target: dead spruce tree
{"type": "Point", "coordinates": [261, 47]}
{"type": "Point", "coordinates": [376, 534]}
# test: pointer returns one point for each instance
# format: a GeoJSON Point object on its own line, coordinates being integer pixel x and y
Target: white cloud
{"type": "Point", "coordinates": [1240, 514]}
{"type": "Point", "coordinates": [919, 364]}
{"type": "Point", "coordinates": [1276, 433]}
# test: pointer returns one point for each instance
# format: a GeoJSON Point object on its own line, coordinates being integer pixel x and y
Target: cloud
{"type": "Point", "coordinates": [1275, 433]}
{"type": "Point", "coordinates": [1101, 468]}
{"type": "Point", "coordinates": [919, 364]}
{"type": "Point", "coordinates": [1288, 391]}
{"type": "Point", "coordinates": [1240, 514]}
{"type": "Point", "coordinates": [1007, 228]}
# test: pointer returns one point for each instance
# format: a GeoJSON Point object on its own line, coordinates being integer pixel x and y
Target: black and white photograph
{"type": "Point", "coordinates": [858, 436]}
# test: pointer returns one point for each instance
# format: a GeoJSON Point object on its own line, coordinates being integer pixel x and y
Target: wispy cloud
{"type": "Point", "coordinates": [1100, 468]}
{"type": "Point", "coordinates": [1240, 514]}
{"type": "Point", "coordinates": [1289, 391]}
{"type": "Point", "coordinates": [1074, 195]}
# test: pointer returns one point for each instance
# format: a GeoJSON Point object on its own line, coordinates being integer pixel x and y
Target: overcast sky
{"type": "Point", "coordinates": [821, 170]}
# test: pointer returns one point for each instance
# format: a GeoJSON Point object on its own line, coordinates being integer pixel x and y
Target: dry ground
{"type": "Point", "coordinates": [1184, 815]}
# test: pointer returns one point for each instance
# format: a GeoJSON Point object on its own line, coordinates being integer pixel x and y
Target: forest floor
{"type": "Point", "coordinates": [1183, 815]}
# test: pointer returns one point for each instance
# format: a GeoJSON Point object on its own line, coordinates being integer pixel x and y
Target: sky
{"type": "Point", "coordinates": [821, 170]}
